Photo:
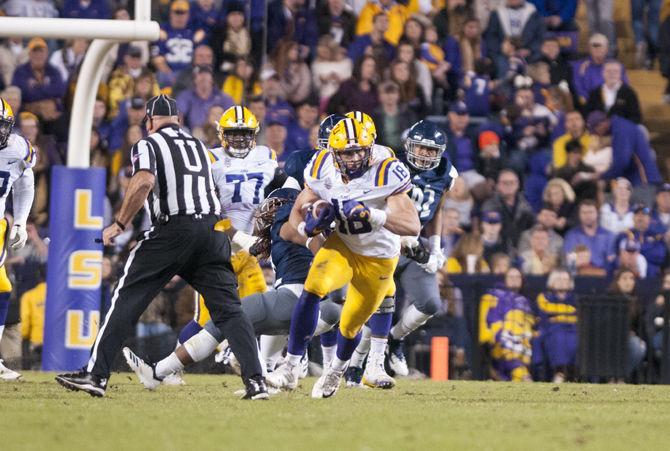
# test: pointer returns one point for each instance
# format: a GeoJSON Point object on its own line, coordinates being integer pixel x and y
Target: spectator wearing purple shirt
{"type": "Point", "coordinates": [298, 131]}
{"type": "Point", "coordinates": [195, 103]}
{"type": "Point", "coordinates": [275, 135]}
{"type": "Point", "coordinates": [86, 9]}
{"type": "Point", "coordinates": [379, 47]}
{"type": "Point", "coordinates": [273, 94]}
{"type": "Point", "coordinates": [293, 20]}
{"type": "Point", "coordinates": [359, 93]}
{"type": "Point", "coordinates": [204, 15]}
{"type": "Point", "coordinates": [460, 147]}
{"type": "Point", "coordinates": [588, 72]}
{"type": "Point", "coordinates": [600, 242]}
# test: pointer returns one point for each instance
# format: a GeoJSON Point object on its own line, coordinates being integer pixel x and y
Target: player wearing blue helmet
{"type": "Point", "coordinates": [269, 312]}
{"type": "Point", "coordinates": [432, 175]}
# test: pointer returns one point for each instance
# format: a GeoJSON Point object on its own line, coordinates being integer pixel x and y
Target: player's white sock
{"type": "Point", "coordinates": [362, 349]}
{"type": "Point", "coordinates": [328, 353]}
{"type": "Point", "coordinates": [170, 364]}
{"type": "Point", "coordinates": [2, 329]}
{"type": "Point", "coordinates": [322, 327]}
{"type": "Point", "coordinates": [293, 359]}
{"type": "Point", "coordinates": [271, 348]}
{"type": "Point", "coordinates": [378, 346]}
{"type": "Point", "coordinates": [338, 365]}
{"type": "Point", "coordinates": [411, 319]}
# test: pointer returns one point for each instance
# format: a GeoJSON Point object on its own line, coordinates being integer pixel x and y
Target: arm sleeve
{"type": "Point", "coordinates": [23, 194]}
{"type": "Point", "coordinates": [143, 157]}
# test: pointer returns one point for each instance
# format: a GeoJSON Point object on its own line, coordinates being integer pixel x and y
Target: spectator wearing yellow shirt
{"type": "Point", "coordinates": [32, 316]}
{"type": "Point", "coordinates": [242, 84]}
{"type": "Point", "coordinates": [396, 13]}
{"type": "Point", "coordinates": [574, 129]}
{"type": "Point", "coordinates": [468, 256]}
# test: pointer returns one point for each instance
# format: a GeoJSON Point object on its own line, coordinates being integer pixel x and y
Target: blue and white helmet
{"type": "Point", "coordinates": [325, 127]}
{"type": "Point", "coordinates": [429, 137]}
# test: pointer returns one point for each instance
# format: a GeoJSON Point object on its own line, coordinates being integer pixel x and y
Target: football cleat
{"type": "Point", "coordinates": [328, 384]}
{"type": "Point", "coordinates": [255, 389]}
{"type": "Point", "coordinates": [83, 381]}
{"type": "Point", "coordinates": [285, 376]}
{"type": "Point", "coordinates": [6, 374]}
{"type": "Point", "coordinates": [375, 375]}
{"type": "Point", "coordinates": [145, 372]}
{"type": "Point", "coordinates": [174, 379]}
{"type": "Point", "coordinates": [397, 361]}
{"type": "Point", "coordinates": [353, 376]}
{"type": "Point", "coordinates": [227, 358]}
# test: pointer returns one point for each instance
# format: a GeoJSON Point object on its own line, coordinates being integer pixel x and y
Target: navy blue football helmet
{"type": "Point", "coordinates": [325, 127]}
{"type": "Point", "coordinates": [424, 145]}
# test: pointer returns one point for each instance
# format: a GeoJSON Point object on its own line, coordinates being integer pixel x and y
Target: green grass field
{"type": "Point", "coordinates": [38, 414]}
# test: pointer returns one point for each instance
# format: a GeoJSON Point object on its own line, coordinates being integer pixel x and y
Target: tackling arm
{"type": "Point", "coordinates": [306, 196]}
{"type": "Point", "coordinates": [401, 216]}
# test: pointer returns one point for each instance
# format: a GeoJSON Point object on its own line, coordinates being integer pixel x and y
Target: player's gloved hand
{"type": "Point", "coordinates": [417, 253]}
{"type": "Point", "coordinates": [18, 236]}
{"type": "Point", "coordinates": [434, 263]}
{"type": "Point", "coordinates": [319, 218]}
{"type": "Point", "coordinates": [356, 210]}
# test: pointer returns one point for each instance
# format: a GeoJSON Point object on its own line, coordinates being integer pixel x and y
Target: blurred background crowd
{"type": "Point", "coordinates": [558, 174]}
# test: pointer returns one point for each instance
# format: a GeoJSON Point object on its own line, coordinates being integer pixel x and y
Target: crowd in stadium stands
{"type": "Point", "coordinates": [557, 175]}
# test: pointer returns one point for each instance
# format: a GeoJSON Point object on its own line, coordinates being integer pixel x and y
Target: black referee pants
{"type": "Point", "coordinates": [190, 248]}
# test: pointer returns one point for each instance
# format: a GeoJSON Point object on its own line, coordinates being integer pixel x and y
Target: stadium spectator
{"type": "Point", "coordinates": [174, 49]}
{"type": "Point", "coordinates": [373, 43]}
{"type": "Point", "coordinates": [122, 81]}
{"type": "Point", "coordinates": [33, 303]}
{"type": "Point", "coordinates": [194, 103]}
{"type": "Point", "coordinates": [651, 239]}
{"type": "Point", "coordinates": [31, 8]}
{"type": "Point", "coordinates": [600, 15]}
{"type": "Point", "coordinates": [660, 215]}
{"type": "Point", "coordinates": [579, 263]}
{"type": "Point", "coordinates": [632, 157]}
{"type": "Point", "coordinates": [451, 230]}
{"type": "Point", "coordinates": [42, 89]}
{"type": "Point", "coordinates": [514, 210]}
{"type": "Point", "coordinates": [359, 93]}
{"type": "Point", "coordinates": [559, 196]}
{"type": "Point", "coordinates": [460, 146]}
{"type": "Point", "coordinates": [494, 242]}
{"type": "Point", "coordinates": [500, 264]}
{"type": "Point", "coordinates": [68, 58]}
{"type": "Point", "coordinates": [242, 84]}
{"type": "Point", "coordinates": [468, 256]}
{"type": "Point", "coordinates": [560, 70]}
{"type": "Point", "coordinates": [273, 94]}
{"type": "Point", "coordinates": [588, 72]}
{"type": "Point", "coordinates": [134, 114]}
{"type": "Point", "coordinates": [575, 129]}
{"type": "Point", "coordinates": [204, 14]}
{"type": "Point", "coordinates": [231, 40]}
{"type": "Point", "coordinates": [450, 19]}
{"type": "Point", "coordinates": [490, 157]}
{"type": "Point", "coordinates": [600, 242]}
{"type": "Point", "coordinates": [623, 284]}
{"type": "Point", "coordinates": [411, 95]}
{"type": "Point", "coordinates": [582, 177]}
{"type": "Point", "coordinates": [538, 260]}
{"type": "Point", "coordinates": [293, 71]}
{"type": "Point", "coordinates": [629, 257]}
{"type": "Point", "coordinates": [298, 131]}
{"type": "Point", "coordinates": [557, 15]}
{"type": "Point", "coordinates": [86, 9]}
{"type": "Point", "coordinates": [391, 117]}
{"type": "Point", "coordinates": [617, 215]}
{"type": "Point", "coordinates": [471, 44]}
{"type": "Point", "coordinates": [615, 96]}
{"type": "Point", "coordinates": [547, 218]}
{"type": "Point", "coordinates": [13, 53]}
{"type": "Point", "coordinates": [645, 31]}
{"type": "Point", "coordinates": [202, 56]}
{"type": "Point", "coordinates": [506, 328]}
{"type": "Point", "coordinates": [419, 67]}
{"type": "Point", "coordinates": [460, 199]}
{"type": "Point", "coordinates": [257, 106]}
{"type": "Point", "coordinates": [329, 69]}
{"type": "Point", "coordinates": [655, 318]}
{"type": "Point", "coordinates": [337, 21]}
{"type": "Point", "coordinates": [516, 19]}
{"type": "Point", "coordinates": [291, 20]}
{"type": "Point", "coordinates": [556, 342]}
{"type": "Point", "coordinates": [275, 135]}
{"type": "Point", "coordinates": [397, 15]}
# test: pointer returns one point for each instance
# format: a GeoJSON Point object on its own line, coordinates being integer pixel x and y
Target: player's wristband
{"type": "Point", "coordinates": [309, 240]}
{"type": "Point", "coordinates": [377, 218]}
{"type": "Point", "coordinates": [435, 244]}
{"type": "Point", "coordinates": [120, 225]}
{"type": "Point", "coordinates": [301, 229]}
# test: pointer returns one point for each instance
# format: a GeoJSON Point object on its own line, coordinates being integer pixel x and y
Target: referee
{"type": "Point", "coordinates": [172, 174]}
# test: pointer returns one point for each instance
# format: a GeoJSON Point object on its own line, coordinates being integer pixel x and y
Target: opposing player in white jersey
{"type": "Point", "coordinates": [243, 174]}
{"type": "Point", "coordinates": [364, 192]}
{"type": "Point", "coordinates": [17, 158]}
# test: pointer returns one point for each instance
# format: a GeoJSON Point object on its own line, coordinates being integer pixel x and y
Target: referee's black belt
{"type": "Point", "coordinates": [164, 219]}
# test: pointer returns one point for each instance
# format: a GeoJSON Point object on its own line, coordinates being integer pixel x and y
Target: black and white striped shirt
{"type": "Point", "coordinates": [184, 184]}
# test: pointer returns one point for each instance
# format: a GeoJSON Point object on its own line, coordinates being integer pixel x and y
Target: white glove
{"type": "Point", "coordinates": [241, 242]}
{"type": "Point", "coordinates": [435, 262]}
{"type": "Point", "coordinates": [18, 237]}
{"type": "Point", "coordinates": [408, 242]}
